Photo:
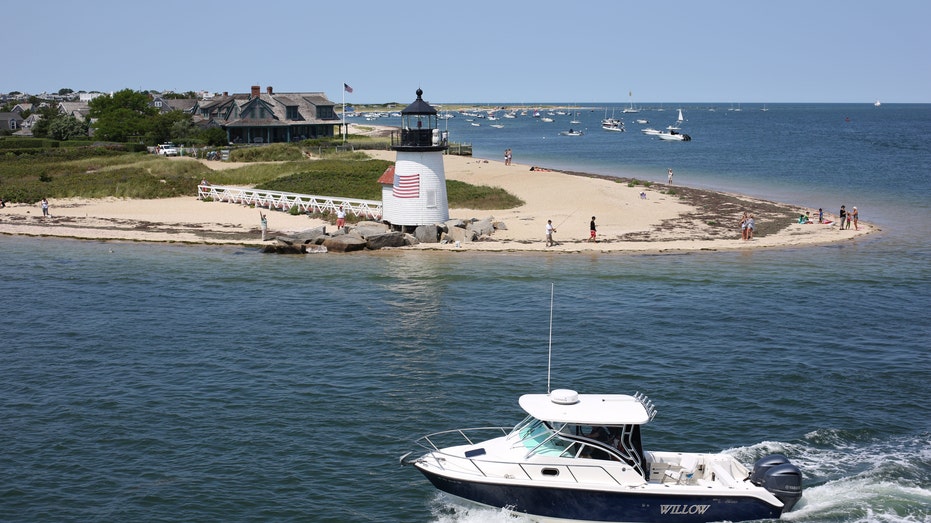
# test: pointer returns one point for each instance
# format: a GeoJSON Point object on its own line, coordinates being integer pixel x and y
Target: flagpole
{"type": "Point", "coordinates": [343, 127]}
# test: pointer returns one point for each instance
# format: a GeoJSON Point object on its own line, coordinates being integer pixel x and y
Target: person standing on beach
{"type": "Point", "coordinates": [340, 217]}
{"type": "Point", "coordinates": [669, 176]}
{"type": "Point", "coordinates": [507, 156]}
{"type": "Point", "coordinates": [592, 231]}
{"type": "Point", "coordinates": [743, 226]}
{"type": "Point", "coordinates": [44, 207]}
{"type": "Point", "coordinates": [549, 233]}
{"type": "Point", "coordinates": [820, 215]}
{"type": "Point", "coordinates": [750, 225]}
{"type": "Point", "coordinates": [264, 221]}
{"type": "Point", "coordinates": [855, 214]}
{"type": "Point", "coordinates": [842, 217]}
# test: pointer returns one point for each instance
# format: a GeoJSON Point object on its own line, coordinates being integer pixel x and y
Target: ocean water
{"type": "Point", "coordinates": [149, 382]}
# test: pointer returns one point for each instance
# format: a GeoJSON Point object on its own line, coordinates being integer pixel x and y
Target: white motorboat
{"type": "Point", "coordinates": [674, 136]}
{"type": "Point", "coordinates": [579, 457]}
{"type": "Point", "coordinates": [571, 132]}
{"type": "Point", "coordinates": [649, 131]}
{"type": "Point", "coordinates": [613, 125]}
{"type": "Point", "coordinates": [673, 133]}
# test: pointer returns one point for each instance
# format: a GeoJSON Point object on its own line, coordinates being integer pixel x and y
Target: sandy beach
{"type": "Point", "coordinates": [627, 221]}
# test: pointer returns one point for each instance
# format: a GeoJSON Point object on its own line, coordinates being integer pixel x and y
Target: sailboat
{"type": "Point", "coordinates": [631, 108]}
{"type": "Point", "coordinates": [877, 103]}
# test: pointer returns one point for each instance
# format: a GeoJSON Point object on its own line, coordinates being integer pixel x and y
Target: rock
{"type": "Point", "coordinates": [370, 229]}
{"type": "Point", "coordinates": [454, 222]}
{"type": "Point", "coordinates": [284, 246]}
{"type": "Point", "coordinates": [427, 234]}
{"type": "Point", "coordinates": [344, 243]}
{"type": "Point", "coordinates": [388, 239]}
{"type": "Point", "coordinates": [483, 227]}
{"type": "Point", "coordinates": [310, 236]}
{"type": "Point", "coordinates": [458, 234]}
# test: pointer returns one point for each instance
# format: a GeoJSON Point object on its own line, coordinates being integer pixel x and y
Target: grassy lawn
{"type": "Point", "coordinates": [98, 172]}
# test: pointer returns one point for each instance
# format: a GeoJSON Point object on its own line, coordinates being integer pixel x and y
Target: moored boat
{"type": "Point", "coordinates": [579, 457]}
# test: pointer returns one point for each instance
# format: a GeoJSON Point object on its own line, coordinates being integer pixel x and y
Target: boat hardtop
{"type": "Point", "coordinates": [568, 406]}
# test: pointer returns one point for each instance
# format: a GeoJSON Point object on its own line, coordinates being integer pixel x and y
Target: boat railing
{"type": "Point", "coordinates": [469, 436]}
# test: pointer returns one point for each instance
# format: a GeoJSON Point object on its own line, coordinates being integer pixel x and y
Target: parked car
{"type": "Point", "coordinates": [167, 149]}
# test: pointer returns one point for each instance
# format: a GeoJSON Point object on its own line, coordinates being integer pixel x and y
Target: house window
{"type": "Point", "coordinates": [292, 112]}
{"type": "Point", "coordinates": [158, 103]}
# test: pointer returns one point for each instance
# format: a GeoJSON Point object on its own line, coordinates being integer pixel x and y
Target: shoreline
{"type": "Point", "coordinates": [641, 218]}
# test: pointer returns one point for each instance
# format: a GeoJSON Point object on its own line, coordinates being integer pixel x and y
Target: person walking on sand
{"type": "Point", "coordinates": [264, 221]}
{"type": "Point", "coordinates": [591, 227]}
{"type": "Point", "coordinates": [842, 217]}
{"type": "Point", "coordinates": [669, 176]}
{"type": "Point", "coordinates": [855, 214]}
{"type": "Point", "coordinates": [45, 207]}
{"type": "Point", "coordinates": [549, 233]}
{"type": "Point", "coordinates": [750, 226]}
{"type": "Point", "coordinates": [743, 226]}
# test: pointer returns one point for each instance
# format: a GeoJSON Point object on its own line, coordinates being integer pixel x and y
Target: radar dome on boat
{"type": "Point", "coordinates": [564, 397]}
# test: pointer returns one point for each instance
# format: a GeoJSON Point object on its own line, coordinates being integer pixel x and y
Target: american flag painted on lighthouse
{"type": "Point", "coordinates": [406, 186]}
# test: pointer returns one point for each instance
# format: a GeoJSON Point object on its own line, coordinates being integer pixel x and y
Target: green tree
{"type": "Point", "coordinates": [46, 116]}
{"type": "Point", "coordinates": [214, 136]}
{"type": "Point", "coordinates": [173, 126]}
{"type": "Point", "coordinates": [121, 115]}
{"type": "Point", "coordinates": [66, 127]}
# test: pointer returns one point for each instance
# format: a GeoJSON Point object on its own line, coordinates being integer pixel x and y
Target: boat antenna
{"type": "Point", "coordinates": [549, 357]}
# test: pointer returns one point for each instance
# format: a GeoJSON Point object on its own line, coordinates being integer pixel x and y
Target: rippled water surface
{"type": "Point", "coordinates": [178, 383]}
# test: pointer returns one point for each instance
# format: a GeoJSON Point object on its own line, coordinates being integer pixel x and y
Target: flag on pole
{"type": "Point", "coordinates": [347, 88]}
{"type": "Point", "coordinates": [406, 186]}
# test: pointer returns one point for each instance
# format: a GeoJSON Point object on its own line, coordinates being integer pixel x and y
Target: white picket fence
{"type": "Point", "coordinates": [284, 201]}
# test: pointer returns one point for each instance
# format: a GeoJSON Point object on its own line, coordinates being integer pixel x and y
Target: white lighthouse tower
{"type": "Point", "coordinates": [417, 191]}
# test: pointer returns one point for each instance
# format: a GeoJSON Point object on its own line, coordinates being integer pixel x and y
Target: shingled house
{"type": "Point", "coordinates": [268, 117]}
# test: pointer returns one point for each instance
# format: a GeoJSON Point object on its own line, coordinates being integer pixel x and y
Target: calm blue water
{"type": "Point", "coordinates": [177, 383]}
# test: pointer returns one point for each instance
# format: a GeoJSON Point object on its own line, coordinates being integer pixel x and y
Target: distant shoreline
{"type": "Point", "coordinates": [641, 217]}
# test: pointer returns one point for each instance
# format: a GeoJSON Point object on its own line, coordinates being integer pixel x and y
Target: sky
{"type": "Point", "coordinates": [480, 51]}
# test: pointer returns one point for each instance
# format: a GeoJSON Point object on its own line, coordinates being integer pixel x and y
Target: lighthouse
{"type": "Point", "coordinates": [415, 192]}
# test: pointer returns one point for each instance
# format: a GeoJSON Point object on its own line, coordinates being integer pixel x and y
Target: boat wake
{"type": "Point", "coordinates": [857, 476]}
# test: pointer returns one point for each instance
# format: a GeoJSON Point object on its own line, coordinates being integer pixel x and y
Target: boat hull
{"type": "Point", "coordinates": [567, 504]}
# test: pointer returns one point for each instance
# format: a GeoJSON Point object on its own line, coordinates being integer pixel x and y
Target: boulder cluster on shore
{"type": "Point", "coordinates": [377, 235]}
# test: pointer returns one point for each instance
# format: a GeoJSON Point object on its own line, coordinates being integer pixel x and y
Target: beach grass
{"type": "Point", "coordinates": [100, 172]}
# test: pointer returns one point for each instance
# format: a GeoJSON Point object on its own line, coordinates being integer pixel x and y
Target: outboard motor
{"type": "Point", "coordinates": [785, 482]}
{"type": "Point", "coordinates": [763, 464]}
{"type": "Point", "coordinates": [776, 474]}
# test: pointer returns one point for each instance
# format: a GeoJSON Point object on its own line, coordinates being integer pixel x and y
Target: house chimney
{"type": "Point", "coordinates": [256, 91]}
{"type": "Point", "coordinates": [226, 94]}
{"type": "Point", "coordinates": [269, 88]}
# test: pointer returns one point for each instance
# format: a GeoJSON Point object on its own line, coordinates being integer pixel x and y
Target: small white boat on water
{"type": "Point", "coordinates": [613, 125]}
{"type": "Point", "coordinates": [579, 457]}
{"type": "Point", "coordinates": [571, 132]}
{"type": "Point", "coordinates": [673, 134]}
